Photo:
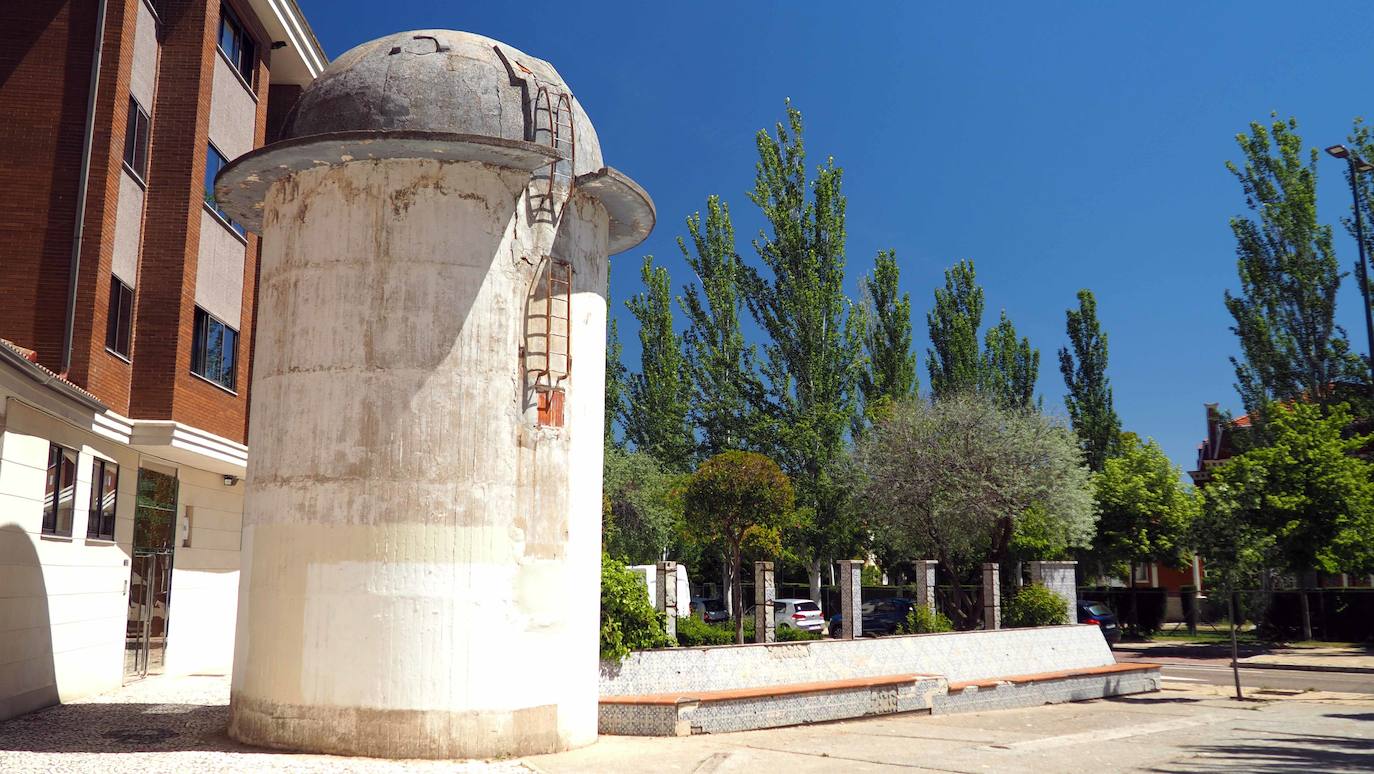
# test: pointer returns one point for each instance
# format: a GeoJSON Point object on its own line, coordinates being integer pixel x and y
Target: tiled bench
{"type": "Point", "coordinates": [1048, 687]}
{"type": "Point", "coordinates": [708, 712]}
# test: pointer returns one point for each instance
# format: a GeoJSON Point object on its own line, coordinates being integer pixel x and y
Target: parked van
{"type": "Point", "coordinates": [684, 590]}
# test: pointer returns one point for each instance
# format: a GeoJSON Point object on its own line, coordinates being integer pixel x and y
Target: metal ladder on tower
{"type": "Point", "coordinates": [554, 127]}
{"type": "Point", "coordinates": [552, 326]}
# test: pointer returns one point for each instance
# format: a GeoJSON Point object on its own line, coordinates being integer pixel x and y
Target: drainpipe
{"type": "Point", "coordinates": [84, 180]}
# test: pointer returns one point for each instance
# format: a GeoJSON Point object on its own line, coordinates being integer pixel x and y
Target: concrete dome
{"type": "Point", "coordinates": [437, 81]}
{"type": "Point", "coordinates": [442, 95]}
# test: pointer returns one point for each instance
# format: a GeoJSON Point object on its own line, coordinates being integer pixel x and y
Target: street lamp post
{"type": "Point", "coordinates": [1357, 164]}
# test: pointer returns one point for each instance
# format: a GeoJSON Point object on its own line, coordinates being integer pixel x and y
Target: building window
{"type": "Point", "coordinates": [214, 351]}
{"type": "Point", "coordinates": [100, 520]}
{"type": "Point", "coordinates": [120, 318]}
{"type": "Point", "coordinates": [136, 140]}
{"type": "Point", "coordinates": [214, 162]}
{"type": "Point", "coordinates": [237, 45]}
{"type": "Point", "coordinates": [60, 497]}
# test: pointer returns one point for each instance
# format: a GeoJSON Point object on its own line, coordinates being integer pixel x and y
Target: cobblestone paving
{"type": "Point", "coordinates": [170, 725]}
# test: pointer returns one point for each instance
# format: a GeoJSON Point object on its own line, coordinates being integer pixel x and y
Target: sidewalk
{"type": "Point", "coordinates": [1332, 658]}
{"type": "Point", "coordinates": [177, 725]}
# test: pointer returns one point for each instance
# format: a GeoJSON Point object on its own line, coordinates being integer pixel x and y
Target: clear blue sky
{"type": "Point", "coordinates": [1060, 145]}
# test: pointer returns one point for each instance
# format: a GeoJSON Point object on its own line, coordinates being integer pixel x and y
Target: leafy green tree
{"type": "Point", "coordinates": [1089, 393]}
{"type": "Point", "coordinates": [1304, 502]}
{"type": "Point", "coordinates": [949, 479]}
{"type": "Point", "coordinates": [734, 497]}
{"type": "Point", "coordinates": [628, 619]}
{"type": "Point", "coordinates": [1034, 605]}
{"type": "Point", "coordinates": [1010, 366]}
{"type": "Point", "coordinates": [1144, 512]}
{"type": "Point", "coordinates": [658, 396]}
{"type": "Point", "coordinates": [891, 372]}
{"type": "Point", "coordinates": [813, 359]}
{"type": "Point", "coordinates": [723, 382]}
{"type": "Point", "coordinates": [1362, 139]}
{"type": "Point", "coordinates": [644, 505]}
{"type": "Point", "coordinates": [615, 381]}
{"type": "Point", "coordinates": [1285, 311]}
{"type": "Point", "coordinates": [953, 361]}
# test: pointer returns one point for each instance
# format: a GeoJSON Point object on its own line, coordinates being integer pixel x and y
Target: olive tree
{"type": "Point", "coordinates": [951, 479]}
{"type": "Point", "coordinates": [734, 498]}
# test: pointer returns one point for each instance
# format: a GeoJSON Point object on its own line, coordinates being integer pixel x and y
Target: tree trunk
{"type": "Point", "coordinates": [736, 597]}
{"type": "Point", "coordinates": [725, 595]}
{"type": "Point", "coordinates": [1135, 603]}
{"type": "Point", "coordinates": [814, 578]}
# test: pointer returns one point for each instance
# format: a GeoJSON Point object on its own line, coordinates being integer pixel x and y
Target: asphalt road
{"type": "Point", "coordinates": [1275, 679]}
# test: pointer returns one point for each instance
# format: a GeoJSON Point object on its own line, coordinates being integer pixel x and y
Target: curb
{"type": "Point", "coordinates": [1309, 668]}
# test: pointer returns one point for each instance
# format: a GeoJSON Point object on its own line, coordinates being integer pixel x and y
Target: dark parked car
{"type": "Point", "coordinates": [1090, 612]}
{"type": "Point", "coordinates": [880, 616]}
{"type": "Point", "coordinates": [709, 610]}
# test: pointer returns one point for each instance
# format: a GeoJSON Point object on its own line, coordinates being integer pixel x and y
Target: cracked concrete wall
{"type": "Point", "coordinates": [420, 560]}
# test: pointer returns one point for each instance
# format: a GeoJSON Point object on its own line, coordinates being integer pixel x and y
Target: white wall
{"type": "Point", "coordinates": [63, 600]}
{"type": "Point", "coordinates": [205, 575]}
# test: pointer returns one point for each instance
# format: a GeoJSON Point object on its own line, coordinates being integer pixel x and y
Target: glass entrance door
{"type": "Point", "coordinates": [150, 574]}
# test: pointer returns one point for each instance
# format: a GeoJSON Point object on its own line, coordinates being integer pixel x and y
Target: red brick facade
{"type": "Point", "coordinates": [45, 59]}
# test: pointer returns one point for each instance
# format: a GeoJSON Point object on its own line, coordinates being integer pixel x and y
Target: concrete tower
{"type": "Point", "coordinates": [421, 537]}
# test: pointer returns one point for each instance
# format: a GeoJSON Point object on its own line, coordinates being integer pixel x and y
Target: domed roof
{"type": "Point", "coordinates": [438, 94]}
{"type": "Point", "coordinates": [441, 81]}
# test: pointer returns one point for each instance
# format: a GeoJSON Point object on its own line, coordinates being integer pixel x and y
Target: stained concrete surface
{"type": "Point", "coordinates": [177, 725]}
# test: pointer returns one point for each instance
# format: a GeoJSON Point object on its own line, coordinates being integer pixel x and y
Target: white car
{"type": "Point", "coordinates": [796, 614]}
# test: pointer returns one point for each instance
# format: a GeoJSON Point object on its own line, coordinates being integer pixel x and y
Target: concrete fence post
{"type": "Point", "coordinates": [764, 593]}
{"type": "Point", "coordinates": [850, 572]}
{"type": "Point", "coordinates": [925, 583]}
{"type": "Point", "coordinates": [666, 593]}
{"type": "Point", "coordinates": [1060, 578]}
{"type": "Point", "coordinates": [992, 597]}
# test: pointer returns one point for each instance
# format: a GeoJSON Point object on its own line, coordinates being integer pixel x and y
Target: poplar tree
{"type": "Point", "coordinates": [953, 361]}
{"type": "Point", "coordinates": [615, 379]}
{"type": "Point", "coordinates": [656, 411]}
{"type": "Point", "coordinates": [1285, 310]}
{"type": "Point", "coordinates": [891, 372]}
{"type": "Point", "coordinates": [813, 359]}
{"type": "Point", "coordinates": [1010, 366]}
{"type": "Point", "coordinates": [1089, 393]}
{"type": "Point", "coordinates": [719, 364]}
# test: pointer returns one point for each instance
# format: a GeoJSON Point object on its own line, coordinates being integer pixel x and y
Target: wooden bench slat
{"type": "Point", "coordinates": [1040, 677]}
{"type": "Point", "coordinates": [787, 689]}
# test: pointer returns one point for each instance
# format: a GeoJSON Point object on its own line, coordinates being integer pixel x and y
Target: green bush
{"type": "Point", "coordinates": [628, 620]}
{"type": "Point", "coordinates": [791, 634]}
{"type": "Point", "coordinates": [694, 632]}
{"type": "Point", "coordinates": [923, 620]}
{"type": "Point", "coordinates": [1034, 605]}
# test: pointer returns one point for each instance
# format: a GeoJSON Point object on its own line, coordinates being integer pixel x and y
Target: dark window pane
{"type": "Point", "coordinates": [104, 489]}
{"type": "Point", "coordinates": [136, 139]}
{"type": "Point", "coordinates": [120, 317]}
{"type": "Point", "coordinates": [214, 349]}
{"type": "Point", "coordinates": [51, 489]}
{"type": "Point", "coordinates": [66, 492]}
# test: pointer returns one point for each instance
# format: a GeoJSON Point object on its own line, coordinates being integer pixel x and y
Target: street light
{"type": "Point", "coordinates": [1359, 165]}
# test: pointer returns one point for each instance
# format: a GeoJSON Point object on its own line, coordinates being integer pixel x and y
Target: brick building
{"type": "Point", "coordinates": [126, 320]}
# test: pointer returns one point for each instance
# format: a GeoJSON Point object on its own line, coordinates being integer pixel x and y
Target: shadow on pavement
{"type": "Point", "coordinates": [1290, 753]}
{"type": "Point", "coordinates": [107, 728]}
{"type": "Point", "coordinates": [1356, 716]}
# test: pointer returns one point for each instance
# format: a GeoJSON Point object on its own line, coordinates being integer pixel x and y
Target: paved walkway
{"type": "Point", "coordinates": [176, 725]}
{"type": "Point", "coordinates": [1354, 658]}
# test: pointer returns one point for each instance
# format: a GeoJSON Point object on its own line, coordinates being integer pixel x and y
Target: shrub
{"type": "Point", "coordinates": [628, 620]}
{"type": "Point", "coordinates": [1035, 605]}
{"type": "Point", "coordinates": [922, 620]}
{"type": "Point", "coordinates": [791, 634]}
{"type": "Point", "coordinates": [694, 632]}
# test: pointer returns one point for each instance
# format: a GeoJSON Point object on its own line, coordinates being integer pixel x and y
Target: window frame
{"type": "Point", "coordinates": [243, 57]}
{"type": "Point", "coordinates": [53, 487]}
{"type": "Point", "coordinates": [103, 509]}
{"type": "Point", "coordinates": [133, 147]}
{"type": "Point", "coordinates": [213, 153]}
{"type": "Point", "coordinates": [200, 350]}
{"type": "Point", "coordinates": [119, 320]}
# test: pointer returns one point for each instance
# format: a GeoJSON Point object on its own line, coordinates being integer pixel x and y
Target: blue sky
{"type": "Point", "coordinates": [1059, 145]}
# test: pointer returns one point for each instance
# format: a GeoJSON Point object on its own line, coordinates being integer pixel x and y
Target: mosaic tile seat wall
{"type": "Point", "coordinates": [957, 656]}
